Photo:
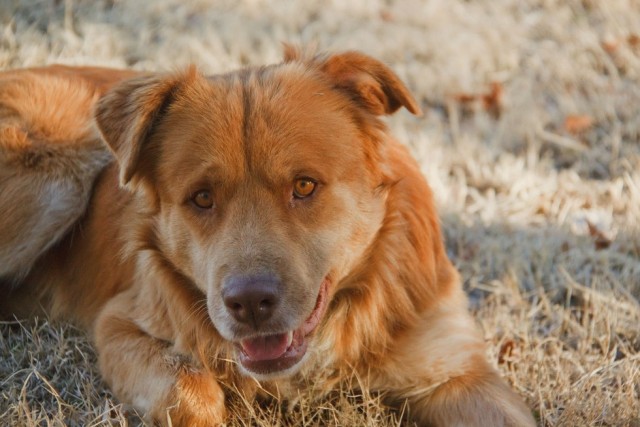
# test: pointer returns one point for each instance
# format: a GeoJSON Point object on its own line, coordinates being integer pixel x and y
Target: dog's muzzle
{"type": "Point", "coordinates": [270, 354]}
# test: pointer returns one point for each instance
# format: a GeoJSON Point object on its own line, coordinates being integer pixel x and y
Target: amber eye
{"type": "Point", "coordinates": [303, 187]}
{"type": "Point", "coordinates": [202, 199]}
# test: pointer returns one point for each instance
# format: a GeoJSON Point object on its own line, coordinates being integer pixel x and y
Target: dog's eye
{"type": "Point", "coordinates": [202, 199]}
{"type": "Point", "coordinates": [303, 187]}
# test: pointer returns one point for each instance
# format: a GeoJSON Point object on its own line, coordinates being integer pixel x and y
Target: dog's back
{"type": "Point", "coordinates": [50, 156]}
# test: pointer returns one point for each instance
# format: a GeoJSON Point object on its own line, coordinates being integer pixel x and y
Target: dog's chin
{"type": "Point", "coordinates": [281, 355]}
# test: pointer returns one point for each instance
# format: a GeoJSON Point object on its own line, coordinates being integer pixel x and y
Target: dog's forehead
{"type": "Point", "coordinates": [294, 119]}
{"type": "Point", "coordinates": [271, 122]}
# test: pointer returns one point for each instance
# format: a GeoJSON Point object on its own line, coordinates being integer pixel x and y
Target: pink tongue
{"type": "Point", "coordinates": [265, 348]}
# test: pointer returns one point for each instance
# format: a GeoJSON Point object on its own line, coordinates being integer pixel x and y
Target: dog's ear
{"type": "Point", "coordinates": [128, 114]}
{"type": "Point", "coordinates": [368, 81]}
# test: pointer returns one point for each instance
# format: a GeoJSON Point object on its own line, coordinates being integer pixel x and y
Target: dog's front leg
{"type": "Point", "coordinates": [441, 369]}
{"type": "Point", "coordinates": [147, 372]}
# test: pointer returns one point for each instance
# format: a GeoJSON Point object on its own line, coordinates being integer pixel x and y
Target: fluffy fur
{"type": "Point", "coordinates": [146, 271]}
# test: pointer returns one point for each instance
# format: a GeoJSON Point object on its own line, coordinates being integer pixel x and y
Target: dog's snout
{"type": "Point", "coordinates": [252, 299]}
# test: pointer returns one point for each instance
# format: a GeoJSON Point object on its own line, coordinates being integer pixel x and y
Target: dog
{"type": "Point", "coordinates": [260, 230]}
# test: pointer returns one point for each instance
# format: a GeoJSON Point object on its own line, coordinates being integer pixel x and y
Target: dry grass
{"type": "Point", "coordinates": [531, 141]}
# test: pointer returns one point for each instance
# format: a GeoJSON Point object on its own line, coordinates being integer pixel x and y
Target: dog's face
{"type": "Point", "coordinates": [268, 187]}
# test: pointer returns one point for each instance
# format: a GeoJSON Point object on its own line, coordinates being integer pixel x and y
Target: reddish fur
{"type": "Point", "coordinates": [130, 268]}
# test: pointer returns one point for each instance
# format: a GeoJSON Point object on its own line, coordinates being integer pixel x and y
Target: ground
{"type": "Point", "coordinates": [530, 140]}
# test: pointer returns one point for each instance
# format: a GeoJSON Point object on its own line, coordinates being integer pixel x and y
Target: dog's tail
{"type": "Point", "coordinates": [50, 155]}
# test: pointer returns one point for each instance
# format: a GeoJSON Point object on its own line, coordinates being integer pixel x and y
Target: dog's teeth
{"type": "Point", "coordinates": [289, 338]}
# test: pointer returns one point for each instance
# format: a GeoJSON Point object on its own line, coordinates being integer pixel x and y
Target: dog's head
{"type": "Point", "coordinates": [268, 186]}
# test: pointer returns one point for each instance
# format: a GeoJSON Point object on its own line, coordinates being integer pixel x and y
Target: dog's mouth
{"type": "Point", "coordinates": [270, 354]}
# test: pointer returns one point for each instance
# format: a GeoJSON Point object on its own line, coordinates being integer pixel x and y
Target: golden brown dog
{"type": "Point", "coordinates": [258, 225]}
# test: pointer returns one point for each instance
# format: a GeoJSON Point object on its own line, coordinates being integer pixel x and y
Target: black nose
{"type": "Point", "coordinates": [251, 299]}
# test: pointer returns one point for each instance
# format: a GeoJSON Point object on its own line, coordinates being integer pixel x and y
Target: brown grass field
{"type": "Point", "coordinates": [530, 140]}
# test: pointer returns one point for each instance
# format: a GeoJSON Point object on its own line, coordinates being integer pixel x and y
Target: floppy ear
{"type": "Point", "coordinates": [128, 114]}
{"type": "Point", "coordinates": [368, 81]}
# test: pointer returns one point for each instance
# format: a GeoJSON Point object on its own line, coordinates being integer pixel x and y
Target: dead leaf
{"type": "Point", "coordinates": [506, 350]}
{"type": "Point", "coordinates": [610, 46]}
{"type": "Point", "coordinates": [465, 98]}
{"type": "Point", "coordinates": [576, 124]}
{"type": "Point", "coordinates": [493, 100]}
{"type": "Point", "coordinates": [601, 241]}
{"type": "Point", "coordinates": [386, 16]}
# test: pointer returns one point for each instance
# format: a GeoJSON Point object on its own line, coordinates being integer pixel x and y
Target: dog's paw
{"type": "Point", "coordinates": [197, 400]}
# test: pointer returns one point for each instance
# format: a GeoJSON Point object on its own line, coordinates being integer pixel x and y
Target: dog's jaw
{"type": "Point", "coordinates": [280, 355]}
